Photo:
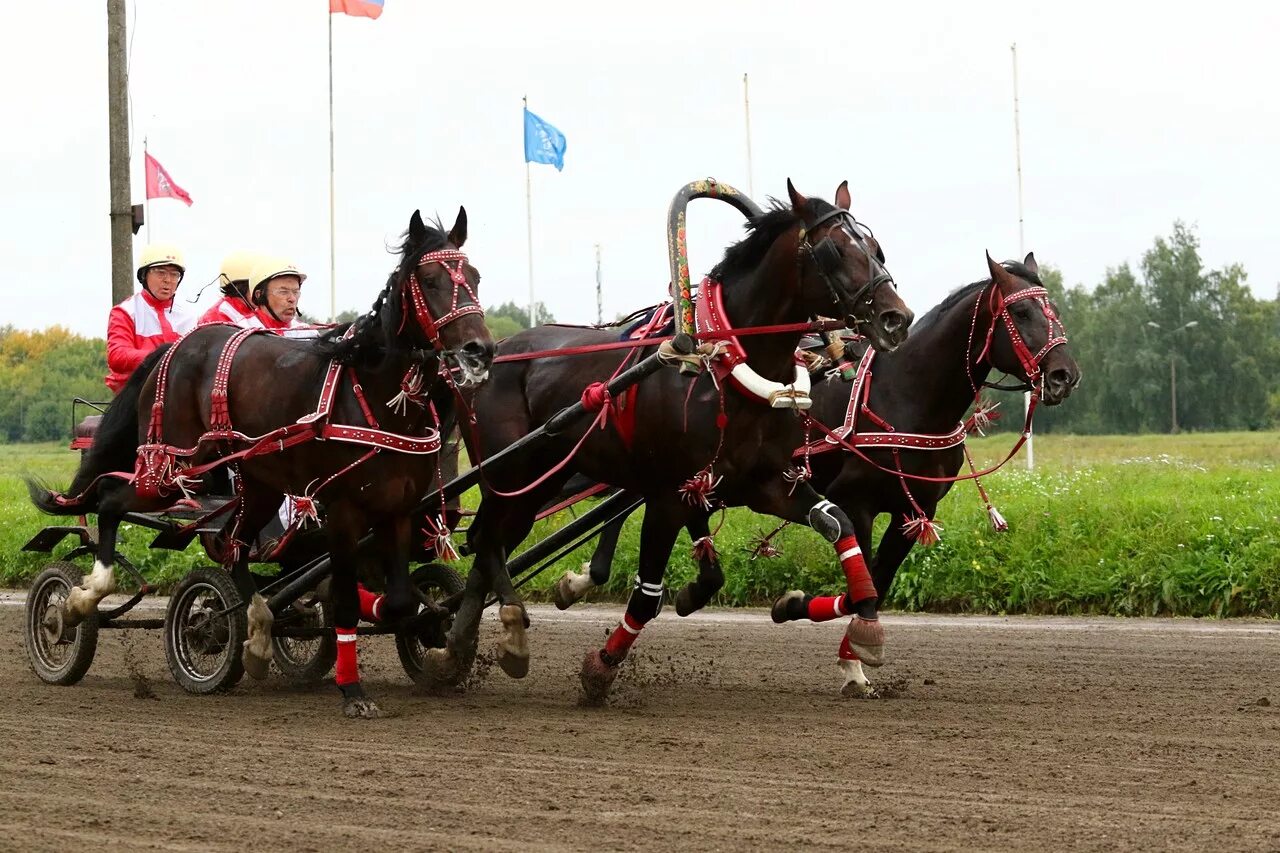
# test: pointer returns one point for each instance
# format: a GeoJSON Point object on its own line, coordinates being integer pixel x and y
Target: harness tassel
{"type": "Point", "coordinates": [923, 530]}
{"type": "Point", "coordinates": [699, 489]}
{"type": "Point", "coordinates": [705, 549]}
{"type": "Point", "coordinates": [438, 538]}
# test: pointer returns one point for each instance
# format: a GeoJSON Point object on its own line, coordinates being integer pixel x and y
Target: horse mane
{"type": "Point", "coordinates": [746, 254]}
{"type": "Point", "coordinates": [375, 332]}
{"type": "Point", "coordinates": [960, 293]}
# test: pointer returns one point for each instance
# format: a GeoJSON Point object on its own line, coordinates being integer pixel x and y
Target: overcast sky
{"type": "Point", "coordinates": [1133, 115]}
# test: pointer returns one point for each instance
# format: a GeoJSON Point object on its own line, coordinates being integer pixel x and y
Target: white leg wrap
{"type": "Point", "coordinates": [258, 651]}
{"type": "Point", "coordinates": [580, 583]}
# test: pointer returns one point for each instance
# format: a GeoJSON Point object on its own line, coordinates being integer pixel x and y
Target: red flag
{"type": "Point", "coordinates": [160, 185]}
{"type": "Point", "coordinates": [357, 8]}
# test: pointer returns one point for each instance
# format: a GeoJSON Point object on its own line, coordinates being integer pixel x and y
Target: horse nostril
{"type": "Point", "coordinates": [894, 322]}
{"type": "Point", "coordinates": [1062, 379]}
{"type": "Point", "coordinates": [478, 351]}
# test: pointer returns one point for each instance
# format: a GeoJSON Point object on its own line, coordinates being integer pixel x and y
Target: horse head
{"type": "Point", "coordinates": [1026, 338]}
{"type": "Point", "coordinates": [842, 267]}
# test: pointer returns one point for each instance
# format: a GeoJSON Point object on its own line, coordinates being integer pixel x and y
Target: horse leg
{"type": "Point", "coordinates": [344, 525]}
{"type": "Point", "coordinates": [573, 586]}
{"type": "Point", "coordinates": [256, 511]}
{"type": "Point", "coordinates": [662, 523]}
{"type": "Point", "coordinates": [116, 499]}
{"type": "Point", "coordinates": [864, 636]}
{"type": "Point", "coordinates": [893, 549]}
{"type": "Point", "coordinates": [696, 594]}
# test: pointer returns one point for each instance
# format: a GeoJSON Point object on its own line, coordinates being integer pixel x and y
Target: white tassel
{"type": "Point", "coordinates": [997, 520]}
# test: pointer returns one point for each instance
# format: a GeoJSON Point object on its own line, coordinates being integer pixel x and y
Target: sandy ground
{"type": "Point", "coordinates": [725, 732]}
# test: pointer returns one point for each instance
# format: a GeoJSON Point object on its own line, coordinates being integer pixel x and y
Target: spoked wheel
{"type": "Point", "coordinates": [437, 581]}
{"type": "Point", "coordinates": [58, 656]}
{"type": "Point", "coordinates": [306, 660]}
{"type": "Point", "coordinates": [202, 643]}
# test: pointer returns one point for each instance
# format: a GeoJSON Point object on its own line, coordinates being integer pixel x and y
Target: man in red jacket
{"type": "Point", "coordinates": [233, 281]}
{"type": "Point", "coordinates": [150, 317]}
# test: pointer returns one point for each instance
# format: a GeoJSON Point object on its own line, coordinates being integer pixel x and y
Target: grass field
{"type": "Point", "coordinates": [1125, 525]}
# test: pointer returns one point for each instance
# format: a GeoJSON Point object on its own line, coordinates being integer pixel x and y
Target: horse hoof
{"type": "Point", "coordinates": [257, 649]}
{"type": "Point", "coordinates": [684, 601]}
{"type": "Point", "coordinates": [856, 685]}
{"type": "Point", "coordinates": [781, 607]}
{"type": "Point", "coordinates": [597, 677]}
{"type": "Point", "coordinates": [361, 708]}
{"type": "Point", "coordinates": [571, 588]}
{"type": "Point", "coordinates": [866, 637]}
{"type": "Point", "coordinates": [513, 649]}
{"type": "Point", "coordinates": [441, 666]}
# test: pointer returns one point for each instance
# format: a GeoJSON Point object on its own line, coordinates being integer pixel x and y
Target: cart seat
{"type": "Point", "coordinates": [85, 431]}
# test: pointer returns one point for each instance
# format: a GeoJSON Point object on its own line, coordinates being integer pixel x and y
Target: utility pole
{"type": "Point", "coordinates": [1017, 153]}
{"type": "Point", "coordinates": [599, 290]}
{"type": "Point", "coordinates": [1173, 368]}
{"type": "Point", "coordinates": [121, 209]}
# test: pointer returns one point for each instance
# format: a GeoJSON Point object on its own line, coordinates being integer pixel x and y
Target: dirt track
{"type": "Point", "coordinates": [726, 733]}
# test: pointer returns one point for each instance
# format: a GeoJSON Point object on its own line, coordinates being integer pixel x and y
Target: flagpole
{"type": "Point", "coordinates": [746, 107]}
{"type": "Point", "coordinates": [147, 200]}
{"type": "Point", "coordinates": [333, 276]}
{"type": "Point", "coordinates": [1017, 150]}
{"type": "Point", "coordinates": [528, 200]}
{"type": "Point", "coordinates": [599, 291]}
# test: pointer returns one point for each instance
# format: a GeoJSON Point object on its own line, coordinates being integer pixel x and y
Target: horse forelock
{"type": "Point", "coordinates": [762, 231]}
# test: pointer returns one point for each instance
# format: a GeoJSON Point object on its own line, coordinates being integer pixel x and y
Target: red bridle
{"type": "Point", "coordinates": [1056, 334]}
{"type": "Point", "coordinates": [454, 263]}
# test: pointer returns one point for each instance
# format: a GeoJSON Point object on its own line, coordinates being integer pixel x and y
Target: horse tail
{"type": "Point", "coordinates": [114, 449]}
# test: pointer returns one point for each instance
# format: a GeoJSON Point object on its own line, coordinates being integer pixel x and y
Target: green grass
{"type": "Point", "coordinates": [1126, 525]}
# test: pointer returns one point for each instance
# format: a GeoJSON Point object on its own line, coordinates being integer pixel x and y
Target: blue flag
{"type": "Point", "coordinates": [542, 142]}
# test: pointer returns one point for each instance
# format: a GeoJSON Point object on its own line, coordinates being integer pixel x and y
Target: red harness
{"type": "Point", "coordinates": [848, 438]}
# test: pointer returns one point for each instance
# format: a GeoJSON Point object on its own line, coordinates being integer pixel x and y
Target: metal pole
{"type": "Point", "coordinates": [333, 263]}
{"type": "Point", "coordinates": [746, 106]}
{"type": "Point", "coordinates": [147, 200]}
{"type": "Point", "coordinates": [599, 290]}
{"type": "Point", "coordinates": [120, 209]}
{"type": "Point", "coordinates": [1017, 152]}
{"type": "Point", "coordinates": [528, 202]}
{"type": "Point", "coordinates": [1173, 390]}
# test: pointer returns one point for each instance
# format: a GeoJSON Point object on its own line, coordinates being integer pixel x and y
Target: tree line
{"type": "Point", "coordinates": [1132, 334]}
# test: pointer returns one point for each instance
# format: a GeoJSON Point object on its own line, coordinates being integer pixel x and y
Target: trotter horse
{"type": "Point", "coordinates": [921, 392]}
{"type": "Point", "coordinates": [680, 442]}
{"type": "Point", "coordinates": [365, 453]}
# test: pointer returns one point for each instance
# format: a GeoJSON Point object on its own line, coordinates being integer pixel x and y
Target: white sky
{"type": "Point", "coordinates": [1133, 115]}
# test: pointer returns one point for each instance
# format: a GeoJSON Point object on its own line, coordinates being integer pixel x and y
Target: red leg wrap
{"type": "Point", "coordinates": [370, 604]}
{"type": "Point", "coordinates": [619, 642]}
{"type": "Point", "coordinates": [824, 608]}
{"type": "Point", "coordinates": [347, 672]}
{"type": "Point", "coordinates": [846, 650]}
{"type": "Point", "coordinates": [861, 586]}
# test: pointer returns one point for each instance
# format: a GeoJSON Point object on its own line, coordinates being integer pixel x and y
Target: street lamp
{"type": "Point", "coordinates": [1173, 373]}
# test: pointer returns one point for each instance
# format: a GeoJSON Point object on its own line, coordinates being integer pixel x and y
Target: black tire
{"type": "Point", "coordinates": [307, 662]}
{"type": "Point", "coordinates": [203, 649]}
{"type": "Point", "coordinates": [57, 657]}
{"type": "Point", "coordinates": [438, 581]}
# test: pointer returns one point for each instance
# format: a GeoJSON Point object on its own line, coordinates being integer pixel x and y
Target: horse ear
{"type": "Point", "coordinates": [1030, 263]}
{"type": "Point", "coordinates": [842, 196]}
{"type": "Point", "coordinates": [458, 233]}
{"type": "Point", "coordinates": [998, 273]}
{"type": "Point", "coordinates": [799, 204]}
{"type": "Point", "coordinates": [417, 230]}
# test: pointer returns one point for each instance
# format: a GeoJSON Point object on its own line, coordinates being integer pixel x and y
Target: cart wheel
{"type": "Point", "coordinates": [306, 661]}
{"type": "Point", "coordinates": [57, 656]}
{"type": "Point", "coordinates": [438, 581]}
{"type": "Point", "coordinates": [201, 643]}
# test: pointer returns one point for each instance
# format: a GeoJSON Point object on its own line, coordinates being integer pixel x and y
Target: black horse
{"type": "Point", "coordinates": [694, 440]}
{"type": "Point", "coordinates": [427, 317]}
{"type": "Point", "coordinates": [924, 387]}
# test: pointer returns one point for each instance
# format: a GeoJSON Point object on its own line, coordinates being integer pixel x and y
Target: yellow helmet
{"type": "Point", "coordinates": [236, 268]}
{"type": "Point", "coordinates": [267, 268]}
{"type": "Point", "coordinates": [160, 255]}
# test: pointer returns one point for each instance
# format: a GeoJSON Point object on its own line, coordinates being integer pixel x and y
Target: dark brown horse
{"type": "Point", "coordinates": [426, 317]}
{"type": "Point", "coordinates": [801, 259]}
{"type": "Point", "coordinates": [923, 387]}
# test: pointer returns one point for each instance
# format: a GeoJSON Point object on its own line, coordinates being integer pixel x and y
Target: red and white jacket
{"type": "Point", "coordinates": [230, 309]}
{"type": "Point", "coordinates": [136, 327]}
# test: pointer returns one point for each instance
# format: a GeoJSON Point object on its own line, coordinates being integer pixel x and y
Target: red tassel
{"type": "Point", "coordinates": [922, 530]}
{"type": "Point", "coordinates": [699, 489]}
{"type": "Point", "coordinates": [439, 539]}
{"type": "Point", "coordinates": [705, 549]}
